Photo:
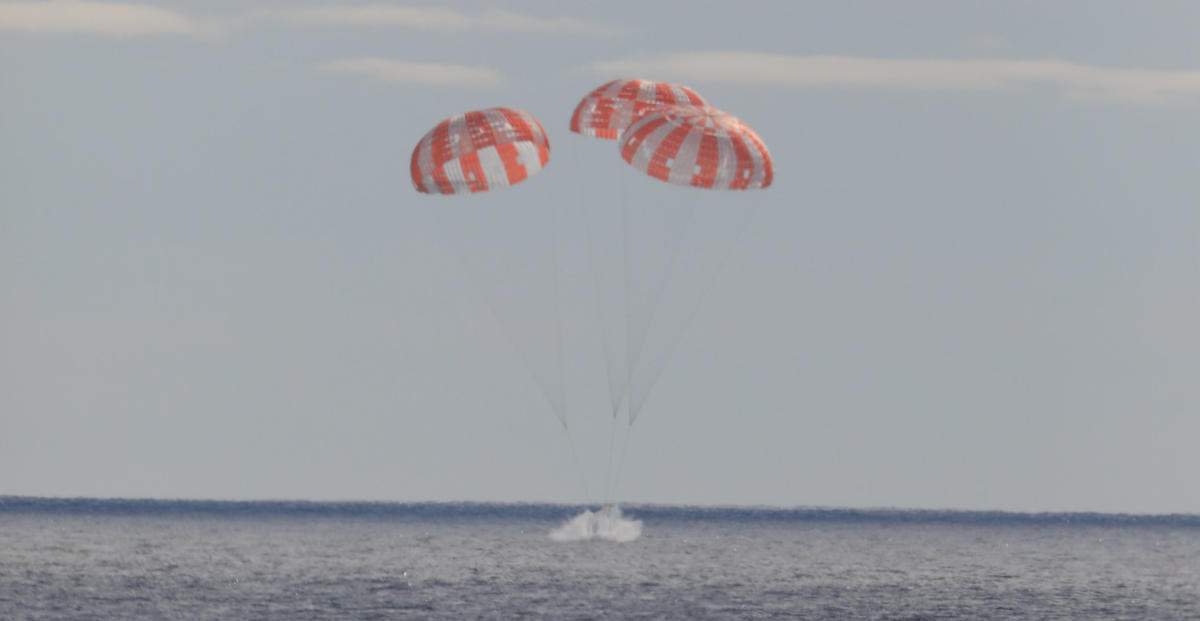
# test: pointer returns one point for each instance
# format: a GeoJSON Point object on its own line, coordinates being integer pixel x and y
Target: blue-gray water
{"type": "Point", "coordinates": [132, 559]}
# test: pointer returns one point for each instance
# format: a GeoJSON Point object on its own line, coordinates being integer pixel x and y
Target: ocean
{"type": "Point", "coordinates": [151, 559]}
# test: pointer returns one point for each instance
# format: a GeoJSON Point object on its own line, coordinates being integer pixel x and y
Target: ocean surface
{"type": "Point", "coordinates": [144, 559]}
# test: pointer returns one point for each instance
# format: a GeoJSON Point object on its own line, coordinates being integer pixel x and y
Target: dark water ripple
{"type": "Point", "coordinates": [146, 559]}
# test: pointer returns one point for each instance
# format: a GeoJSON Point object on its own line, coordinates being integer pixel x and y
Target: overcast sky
{"type": "Point", "coordinates": [974, 284]}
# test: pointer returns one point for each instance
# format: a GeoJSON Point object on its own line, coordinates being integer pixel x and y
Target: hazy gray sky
{"type": "Point", "coordinates": [975, 282]}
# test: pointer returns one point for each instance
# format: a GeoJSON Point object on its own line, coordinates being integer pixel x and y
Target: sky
{"type": "Point", "coordinates": [974, 283]}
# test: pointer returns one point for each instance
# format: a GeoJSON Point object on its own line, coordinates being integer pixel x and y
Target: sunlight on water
{"type": "Point", "coordinates": [607, 523]}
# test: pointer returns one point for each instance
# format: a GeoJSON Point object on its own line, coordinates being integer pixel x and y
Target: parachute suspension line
{"type": "Point", "coordinates": [706, 284]}
{"type": "Point", "coordinates": [612, 433]}
{"type": "Point", "coordinates": [475, 280]}
{"type": "Point", "coordinates": [587, 491]}
{"type": "Point", "coordinates": [623, 395]}
{"type": "Point", "coordinates": [636, 344]}
{"type": "Point", "coordinates": [633, 406]}
{"type": "Point", "coordinates": [628, 275]}
{"type": "Point", "coordinates": [621, 460]}
{"type": "Point", "coordinates": [556, 269]}
{"type": "Point", "coordinates": [555, 264]}
{"type": "Point", "coordinates": [619, 395]}
{"type": "Point", "coordinates": [593, 251]}
{"type": "Point", "coordinates": [678, 202]}
{"type": "Point", "coordinates": [442, 224]}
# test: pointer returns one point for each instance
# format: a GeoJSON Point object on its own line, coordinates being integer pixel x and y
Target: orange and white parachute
{"type": "Point", "coordinates": [478, 151]}
{"type": "Point", "coordinates": [701, 147]}
{"type": "Point", "coordinates": [610, 108]}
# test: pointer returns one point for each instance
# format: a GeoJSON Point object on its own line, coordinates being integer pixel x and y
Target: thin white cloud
{"type": "Point", "coordinates": [128, 19]}
{"type": "Point", "coordinates": [409, 72]}
{"type": "Point", "coordinates": [99, 18]}
{"type": "Point", "coordinates": [435, 19]}
{"type": "Point", "coordinates": [1074, 80]}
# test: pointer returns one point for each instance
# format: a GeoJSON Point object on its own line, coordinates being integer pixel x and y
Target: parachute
{"type": "Point", "coordinates": [626, 276]}
{"type": "Point", "coordinates": [701, 147]}
{"type": "Point", "coordinates": [479, 150]}
{"type": "Point", "coordinates": [611, 107]}
{"type": "Point", "coordinates": [476, 152]}
{"type": "Point", "coordinates": [644, 252]}
{"type": "Point", "coordinates": [655, 248]}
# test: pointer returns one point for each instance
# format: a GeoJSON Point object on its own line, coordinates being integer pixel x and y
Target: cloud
{"type": "Point", "coordinates": [127, 19]}
{"type": "Point", "coordinates": [99, 18]}
{"type": "Point", "coordinates": [434, 18]}
{"type": "Point", "coordinates": [408, 72]}
{"type": "Point", "coordinates": [1074, 80]}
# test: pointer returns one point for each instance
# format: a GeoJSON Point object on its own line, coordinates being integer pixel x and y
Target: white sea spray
{"type": "Point", "coordinates": [605, 523]}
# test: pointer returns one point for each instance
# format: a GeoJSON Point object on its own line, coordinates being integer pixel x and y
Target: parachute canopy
{"type": "Point", "coordinates": [701, 147]}
{"type": "Point", "coordinates": [610, 108]}
{"type": "Point", "coordinates": [478, 151]}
